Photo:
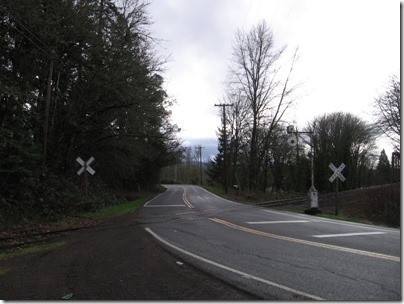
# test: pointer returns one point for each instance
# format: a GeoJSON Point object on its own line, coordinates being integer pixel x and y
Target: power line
{"type": "Point", "coordinates": [25, 28]}
{"type": "Point", "coordinates": [33, 42]}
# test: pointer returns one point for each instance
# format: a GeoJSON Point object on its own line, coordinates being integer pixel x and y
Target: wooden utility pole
{"type": "Point", "coordinates": [224, 105]}
{"type": "Point", "coordinates": [46, 116]}
{"type": "Point", "coordinates": [199, 148]}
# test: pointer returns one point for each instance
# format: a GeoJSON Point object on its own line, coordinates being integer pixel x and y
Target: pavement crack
{"type": "Point", "coordinates": [341, 275]}
{"type": "Point", "coordinates": [380, 285]}
{"type": "Point", "coordinates": [289, 264]}
{"type": "Point", "coordinates": [363, 280]}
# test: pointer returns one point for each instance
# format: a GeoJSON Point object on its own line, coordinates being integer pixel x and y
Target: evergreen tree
{"type": "Point", "coordinates": [215, 167]}
{"type": "Point", "coordinates": [383, 169]}
{"type": "Point", "coordinates": [79, 78]}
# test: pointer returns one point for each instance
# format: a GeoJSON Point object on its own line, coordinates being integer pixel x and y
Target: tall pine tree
{"type": "Point", "coordinates": [383, 169]}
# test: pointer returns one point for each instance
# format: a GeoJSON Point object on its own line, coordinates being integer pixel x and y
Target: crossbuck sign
{"type": "Point", "coordinates": [85, 165]}
{"type": "Point", "coordinates": [337, 172]}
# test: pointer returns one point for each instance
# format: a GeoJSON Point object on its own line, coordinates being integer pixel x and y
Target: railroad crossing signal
{"type": "Point", "coordinates": [85, 165]}
{"type": "Point", "coordinates": [292, 140]}
{"type": "Point", "coordinates": [85, 168]}
{"type": "Point", "coordinates": [337, 172]}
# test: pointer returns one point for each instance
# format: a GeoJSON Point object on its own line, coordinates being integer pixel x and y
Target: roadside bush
{"type": "Point", "coordinates": [52, 197]}
{"type": "Point", "coordinates": [377, 205]}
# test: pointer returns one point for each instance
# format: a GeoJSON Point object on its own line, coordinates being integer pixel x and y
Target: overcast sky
{"type": "Point", "coordinates": [348, 50]}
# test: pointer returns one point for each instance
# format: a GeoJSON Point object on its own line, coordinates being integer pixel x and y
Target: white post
{"type": "Point", "coordinates": [312, 192]}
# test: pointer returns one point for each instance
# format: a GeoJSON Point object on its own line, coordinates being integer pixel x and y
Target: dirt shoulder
{"type": "Point", "coordinates": [113, 260]}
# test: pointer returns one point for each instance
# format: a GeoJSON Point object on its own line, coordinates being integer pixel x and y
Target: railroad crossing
{"type": "Point", "coordinates": [85, 168]}
{"type": "Point", "coordinates": [337, 172]}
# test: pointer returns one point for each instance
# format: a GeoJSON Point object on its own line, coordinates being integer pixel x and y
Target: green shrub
{"type": "Point", "coordinates": [53, 197]}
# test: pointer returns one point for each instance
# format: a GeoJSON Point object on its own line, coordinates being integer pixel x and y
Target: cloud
{"type": "Point", "coordinates": [209, 145]}
{"type": "Point", "coordinates": [347, 52]}
{"type": "Point", "coordinates": [198, 36]}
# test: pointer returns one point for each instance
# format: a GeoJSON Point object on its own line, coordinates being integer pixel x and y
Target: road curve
{"type": "Point", "coordinates": [276, 255]}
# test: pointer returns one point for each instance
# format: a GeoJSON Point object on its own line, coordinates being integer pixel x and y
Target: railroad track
{"type": "Point", "coordinates": [322, 197]}
{"type": "Point", "coordinates": [284, 202]}
{"type": "Point", "coordinates": [27, 237]}
{"type": "Point", "coordinates": [22, 238]}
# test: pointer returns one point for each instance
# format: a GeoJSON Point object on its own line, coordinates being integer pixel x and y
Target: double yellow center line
{"type": "Point", "coordinates": [310, 243]}
{"type": "Point", "coordinates": [184, 198]}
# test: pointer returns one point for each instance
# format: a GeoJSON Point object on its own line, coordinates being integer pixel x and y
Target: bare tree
{"type": "Point", "coordinates": [256, 74]}
{"type": "Point", "coordinates": [237, 120]}
{"type": "Point", "coordinates": [388, 107]}
{"type": "Point", "coordinates": [340, 137]}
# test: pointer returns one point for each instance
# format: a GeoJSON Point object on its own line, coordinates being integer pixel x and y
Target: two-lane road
{"type": "Point", "coordinates": [276, 255]}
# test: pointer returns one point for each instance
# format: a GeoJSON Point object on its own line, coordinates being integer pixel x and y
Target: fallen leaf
{"type": "Point", "coordinates": [67, 296]}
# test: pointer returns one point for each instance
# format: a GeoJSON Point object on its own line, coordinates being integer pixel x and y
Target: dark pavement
{"type": "Point", "coordinates": [277, 255]}
{"type": "Point", "coordinates": [116, 260]}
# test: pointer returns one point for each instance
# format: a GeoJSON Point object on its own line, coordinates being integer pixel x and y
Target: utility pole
{"type": "Point", "coordinates": [313, 193]}
{"type": "Point", "coordinates": [46, 116]}
{"type": "Point", "coordinates": [199, 148]}
{"type": "Point", "coordinates": [224, 105]}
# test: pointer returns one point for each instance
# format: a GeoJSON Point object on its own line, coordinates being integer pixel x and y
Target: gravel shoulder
{"type": "Point", "coordinates": [113, 260]}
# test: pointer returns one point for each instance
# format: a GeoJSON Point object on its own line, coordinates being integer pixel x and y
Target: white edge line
{"type": "Point", "coordinates": [154, 198]}
{"type": "Point", "coordinates": [278, 222]}
{"type": "Point", "coordinates": [217, 196]}
{"type": "Point", "coordinates": [287, 214]}
{"type": "Point", "coordinates": [164, 206]}
{"type": "Point", "coordinates": [336, 222]}
{"type": "Point", "coordinates": [347, 234]}
{"type": "Point", "coordinates": [243, 274]}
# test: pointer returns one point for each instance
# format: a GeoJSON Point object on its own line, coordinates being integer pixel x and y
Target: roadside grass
{"type": "Point", "coordinates": [220, 192]}
{"type": "Point", "coordinates": [27, 250]}
{"type": "Point", "coordinates": [80, 220]}
{"type": "Point", "coordinates": [19, 251]}
{"type": "Point", "coordinates": [215, 190]}
{"type": "Point", "coordinates": [104, 213]}
{"type": "Point", "coordinates": [4, 270]}
{"type": "Point", "coordinates": [112, 211]}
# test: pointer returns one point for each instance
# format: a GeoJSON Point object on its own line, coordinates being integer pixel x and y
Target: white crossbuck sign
{"type": "Point", "coordinates": [337, 172]}
{"type": "Point", "coordinates": [85, 165]}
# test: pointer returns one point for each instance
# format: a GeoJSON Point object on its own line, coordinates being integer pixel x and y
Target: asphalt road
{"type": "Point", "coordinates": [276, 255]}
{"type": "Point", "coordinates": [115, 260]}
